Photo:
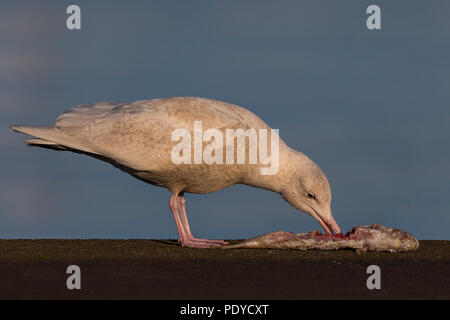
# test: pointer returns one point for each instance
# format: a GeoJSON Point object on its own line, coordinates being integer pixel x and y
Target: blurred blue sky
{"type": "Point", "coordinates": [370, 107]}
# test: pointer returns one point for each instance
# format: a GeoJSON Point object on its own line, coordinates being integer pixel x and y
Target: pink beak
{"type": "Point", "coordinates": [328, 225]}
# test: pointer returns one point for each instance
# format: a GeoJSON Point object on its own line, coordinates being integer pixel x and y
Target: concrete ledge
{"type": "Point", "coordinates": [160, 269]}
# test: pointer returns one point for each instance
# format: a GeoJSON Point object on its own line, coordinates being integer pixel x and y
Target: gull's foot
{"type": "Point", "coordinates": [202, 243]}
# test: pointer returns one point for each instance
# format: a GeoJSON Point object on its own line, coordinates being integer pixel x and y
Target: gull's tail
{"type": "Point", "coordinates": [50, 137]}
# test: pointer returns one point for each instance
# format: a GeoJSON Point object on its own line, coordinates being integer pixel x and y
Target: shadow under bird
{"type": "Point", "coordinates": [136, 138]}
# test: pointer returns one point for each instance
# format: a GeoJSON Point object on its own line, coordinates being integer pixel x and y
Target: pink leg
{"type": "Point", "coordinates": [174, 207]}
{"type": "Point", "coordinates": [185, 236]}
{"type": "Point", "coordinates": [187, 229]}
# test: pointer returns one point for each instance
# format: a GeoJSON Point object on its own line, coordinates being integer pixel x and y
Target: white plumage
{"type": "Point", "coordinates": [136, 137]}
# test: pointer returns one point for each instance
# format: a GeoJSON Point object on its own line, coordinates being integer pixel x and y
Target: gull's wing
{"type": "Point", "coordinates": [138, 134]}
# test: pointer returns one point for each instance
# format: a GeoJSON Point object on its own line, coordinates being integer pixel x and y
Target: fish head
{"type": "Point", "coordinates": [380, 236]}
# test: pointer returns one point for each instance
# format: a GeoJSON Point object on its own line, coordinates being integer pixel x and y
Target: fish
{"type": "Point", "coordinates": [360, 238]}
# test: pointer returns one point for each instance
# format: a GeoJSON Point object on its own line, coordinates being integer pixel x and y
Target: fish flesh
{"type": "Point", "coordinates": [362, 238]}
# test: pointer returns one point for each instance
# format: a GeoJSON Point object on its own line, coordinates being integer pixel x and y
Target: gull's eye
{"type": "Point", "coordinates": [311, 195]}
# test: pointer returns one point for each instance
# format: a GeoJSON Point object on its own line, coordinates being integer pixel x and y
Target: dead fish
{"type": "Point", "coordinates": [362, 238]}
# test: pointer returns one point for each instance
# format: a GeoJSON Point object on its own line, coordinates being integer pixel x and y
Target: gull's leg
{"type": "Point", "coordinates": [174, 207]}
{"type": "Point", "coordinates": [185, 240]}
{"type": "Point", "coordinates": [185, 223]}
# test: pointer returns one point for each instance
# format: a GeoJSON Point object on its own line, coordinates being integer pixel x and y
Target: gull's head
{"type": "Point", "coordinates": [309, 191]}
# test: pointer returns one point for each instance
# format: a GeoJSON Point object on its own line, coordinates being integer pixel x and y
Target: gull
{"type": "Point", "coordinates": [137, 138]}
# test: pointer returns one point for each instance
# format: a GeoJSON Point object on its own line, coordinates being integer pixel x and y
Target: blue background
{"type": "Point", "coordinates": [370, 107]}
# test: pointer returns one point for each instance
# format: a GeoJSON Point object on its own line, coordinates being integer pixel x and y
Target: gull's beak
{"type": "Point", "coordinates": [328, 224]}
{"type": "Point", "coordinates": [332, 224]}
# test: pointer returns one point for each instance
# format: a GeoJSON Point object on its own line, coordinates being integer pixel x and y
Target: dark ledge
{"type": "Point", "coordinates": [161, 269]}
